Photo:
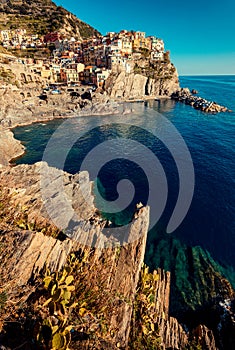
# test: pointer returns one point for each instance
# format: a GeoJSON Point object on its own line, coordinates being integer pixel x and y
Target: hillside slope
{"type": "Point", "coordinates": [41, 17]}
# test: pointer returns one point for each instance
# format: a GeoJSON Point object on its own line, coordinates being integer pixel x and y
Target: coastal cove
{"type": "Point", "coordinates": [210, 220]}
{"type": "Point", "coordinates": [117, 177]}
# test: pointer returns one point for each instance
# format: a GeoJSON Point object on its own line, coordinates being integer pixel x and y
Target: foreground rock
{"type": "Point", "coordinates": [202, 104]}
{"type": "Point", "coordinates": [111, 278]}
{"type": "Point", "coordinates": [9, 146]}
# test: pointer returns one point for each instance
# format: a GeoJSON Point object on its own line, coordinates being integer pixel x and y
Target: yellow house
{"type": "Point", "coordinates": [141, 43]}
{"type": "Point", "coordinates": [136, 44]}
{"type": "Point", "coordinates": [80, 67]}
{"type": "Point", "coordinates": [127, 46]}
{"type": "Point", "coordinates": [72, 76]}
{"type": "Point", "coordinates": [46, 73]}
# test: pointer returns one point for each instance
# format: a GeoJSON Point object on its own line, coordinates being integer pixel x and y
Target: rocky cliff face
{"type": "Point", "coordinates": [23, 106]}
{"type": "Point", "coordinates": [159, 79]}
{"type": "Point", "coordinates": [9, 147]}
{"type": "Point", "coordinates": [111, 286]}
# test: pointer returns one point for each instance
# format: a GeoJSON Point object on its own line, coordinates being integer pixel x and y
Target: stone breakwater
{"type": "Point", "coordinates": [185, 96]}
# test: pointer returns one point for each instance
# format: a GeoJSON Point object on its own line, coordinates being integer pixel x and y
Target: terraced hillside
{"type": "Point", "coordinates": [41, 17]}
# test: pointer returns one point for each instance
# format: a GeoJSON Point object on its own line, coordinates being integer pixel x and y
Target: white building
{"type": "Point", "coordinates": [101, 76]}
{"type": "Point", "coordinates": [157, 44]}
{"type": "Point", "coordinates": [118, 63]}
{"type": "Point", "coordinates": [157, 56]}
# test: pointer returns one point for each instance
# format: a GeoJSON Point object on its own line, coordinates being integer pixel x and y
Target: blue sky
{"type": "Point", "coordinates": [200, 34]}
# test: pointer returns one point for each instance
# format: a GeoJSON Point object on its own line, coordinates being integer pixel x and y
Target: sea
{"type": "Point", "coordinates": [160, 142]}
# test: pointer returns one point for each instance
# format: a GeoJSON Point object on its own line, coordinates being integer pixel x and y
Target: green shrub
{"type": "Point", "coordinates": [144, 328]}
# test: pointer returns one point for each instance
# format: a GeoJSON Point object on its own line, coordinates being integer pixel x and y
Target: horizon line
{"type": "Point", "coordinates": [206, 75]}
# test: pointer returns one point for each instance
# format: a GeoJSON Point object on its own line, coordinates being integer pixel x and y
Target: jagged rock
{"type": "Point", "coordinates": [31, 252]}
{"type": "Point", "coordinates": [126, 85]}
{"type": "Point", "coordinates": [26, 183]}
{"type": "Point", "coordinates": [170, 330]}
{"type": "Point", "coordinates": [205, 338]}
{"type": "Point", "coordinates": [184, 95]}
{"type": "Point", "coordinates": [137, 86]}
{"type": "Point", "coordinates": [9, 147]}
{"type": "Point", "coordinates": [24, 255]}
{"type": "Point", "coordinates": [17, 109]}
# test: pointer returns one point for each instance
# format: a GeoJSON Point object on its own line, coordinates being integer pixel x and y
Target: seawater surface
{"type": "Point", "coordinates": [210, 140]}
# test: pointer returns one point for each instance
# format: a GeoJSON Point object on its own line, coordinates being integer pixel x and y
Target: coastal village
{"type": "Point", "coordinates": [138, 67]}
{"type": "Point", "coordinates": [87, 61]}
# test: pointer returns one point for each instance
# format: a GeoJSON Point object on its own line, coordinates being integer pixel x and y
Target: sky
{"type": "Point", "coordinates": [200, 35]}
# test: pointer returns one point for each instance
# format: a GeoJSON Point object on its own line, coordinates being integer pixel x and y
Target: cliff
{"type": "Point", "coordinates": [115, 301]}
{"type": "Point", "coordinates": [145, 79]}
{"type": "Point", "coordinates": [9, 147]}
{"type": "Point", "coordinates": [42, 17]}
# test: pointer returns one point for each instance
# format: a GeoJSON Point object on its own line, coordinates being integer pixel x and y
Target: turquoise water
{"type": "Point", "coordinates": [210, 139]}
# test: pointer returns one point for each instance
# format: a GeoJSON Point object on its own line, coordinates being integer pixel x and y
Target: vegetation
{"type": "Point", "coordinates": [35, 53]}
{"type": "Point", "coordinates": [163, 70]}
{"type": "Point", "coordinates": [3, 299]}
{"type": "Point", "coordinates": [7, 76]}
{"type": "Point", "coordinates": [144, 330]}
{"type": "Point", "coordinates": [54, 331]}
{"type": "Point", "coordinates": [145, 53]}
{"type": "Point", "coordinates": [42, 17]}
{"type": "Point", "coordinates": [61, 310]}
{"type": "Point", "coordinates": [72, 306]}
{"type": "Point", "coordinates": [194, 345]}
{"type": "Point", "coordinates": [18, 217]}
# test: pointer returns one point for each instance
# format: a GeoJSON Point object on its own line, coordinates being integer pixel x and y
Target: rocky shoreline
{"type": "Point", "coordinates": [21, 107]}
{"type": "Point", "coordinates": [16, 110]}
{"type": "Point", "coordinates": [185, 96]}
{"type": "Point", "coordinates": [116, 278]}
{"type": "Point", "coordinates": [23, 181]}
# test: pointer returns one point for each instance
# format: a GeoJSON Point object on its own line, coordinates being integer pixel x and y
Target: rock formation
{"type": "Point", "coordinates": [30, 241]}
{"type": "Point", "coordinates": [159, 79]}
{"type": "Point", "coordinates": [9, 146]}
{"type": "Point", "coordinates": [111, 275]}
{"type": "Point", "coordinates": [185, 96]}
